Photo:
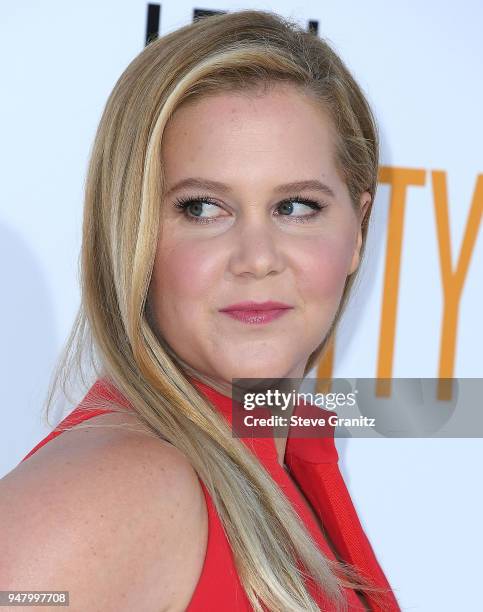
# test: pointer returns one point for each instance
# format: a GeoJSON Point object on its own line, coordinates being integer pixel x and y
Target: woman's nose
{"type": "Point", "coordinates": [256, 249]}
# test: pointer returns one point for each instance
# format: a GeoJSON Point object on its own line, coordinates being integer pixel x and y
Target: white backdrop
{"type": "Point", "coordinates": [420, 66]}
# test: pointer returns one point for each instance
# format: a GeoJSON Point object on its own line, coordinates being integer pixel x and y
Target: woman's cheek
{"type": "Point", "coordinates": [184, 270]}
{"type": "Point", "coordinates": [325, 268]}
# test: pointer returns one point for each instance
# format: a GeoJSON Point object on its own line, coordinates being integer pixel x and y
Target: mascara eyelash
{"type": "Point", "coordinates": [182, 204]}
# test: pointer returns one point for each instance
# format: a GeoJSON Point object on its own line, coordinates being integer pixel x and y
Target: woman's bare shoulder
{"type": "Point", "coordinates": [116, 516]}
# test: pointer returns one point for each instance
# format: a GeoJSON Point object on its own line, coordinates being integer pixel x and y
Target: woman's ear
{"type": "Point", "coordinates": [364, 205]}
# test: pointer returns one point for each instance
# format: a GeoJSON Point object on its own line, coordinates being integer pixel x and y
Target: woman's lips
{"type": "Point", "coordinates": [256, 317]}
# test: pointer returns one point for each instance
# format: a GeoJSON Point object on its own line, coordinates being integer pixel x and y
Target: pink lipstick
{"type": "Point", "coordinates": [255, 313]}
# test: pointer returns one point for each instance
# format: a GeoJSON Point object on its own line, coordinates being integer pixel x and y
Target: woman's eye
{"type": "Point", "coordinates": [192, 208]}
{"type": "Point", "coordinates": [197, 207]}
{"type": "Point", "coordinates": [302, 206]}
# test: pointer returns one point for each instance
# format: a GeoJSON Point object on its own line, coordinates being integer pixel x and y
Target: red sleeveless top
{"type": "Point", "coordinates": [312, 463]}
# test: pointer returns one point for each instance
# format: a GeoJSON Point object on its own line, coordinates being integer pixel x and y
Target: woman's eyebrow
{"type": "Point", "coordinates": [200, 183]}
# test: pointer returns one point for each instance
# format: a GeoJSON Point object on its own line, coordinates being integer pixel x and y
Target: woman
{"type": "Point", "coordinates": [236, 160]}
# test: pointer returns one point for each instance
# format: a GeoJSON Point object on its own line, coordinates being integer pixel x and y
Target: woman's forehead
{"type": "Point", "coordinates": [278, 134]}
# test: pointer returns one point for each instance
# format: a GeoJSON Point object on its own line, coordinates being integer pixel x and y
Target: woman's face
{"type": "Point", "coordinates": [251, 238]}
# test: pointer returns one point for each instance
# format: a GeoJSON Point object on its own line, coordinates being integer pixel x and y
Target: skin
{"type": "Point", "coordinates": [253, 248]}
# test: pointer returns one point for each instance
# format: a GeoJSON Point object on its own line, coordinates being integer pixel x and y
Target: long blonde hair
{"type": "Point", "coordinates": [238, 51]}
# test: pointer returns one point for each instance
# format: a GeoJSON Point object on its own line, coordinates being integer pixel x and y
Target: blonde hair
{"type": "Point", "coordinates": [235, 52]}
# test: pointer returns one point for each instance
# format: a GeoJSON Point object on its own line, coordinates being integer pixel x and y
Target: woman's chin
{"type": "Point", "coordinates": [259, 368]}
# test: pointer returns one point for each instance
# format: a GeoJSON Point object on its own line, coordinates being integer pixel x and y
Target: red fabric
{"type": "Point", "coordinates": [313, 465]}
